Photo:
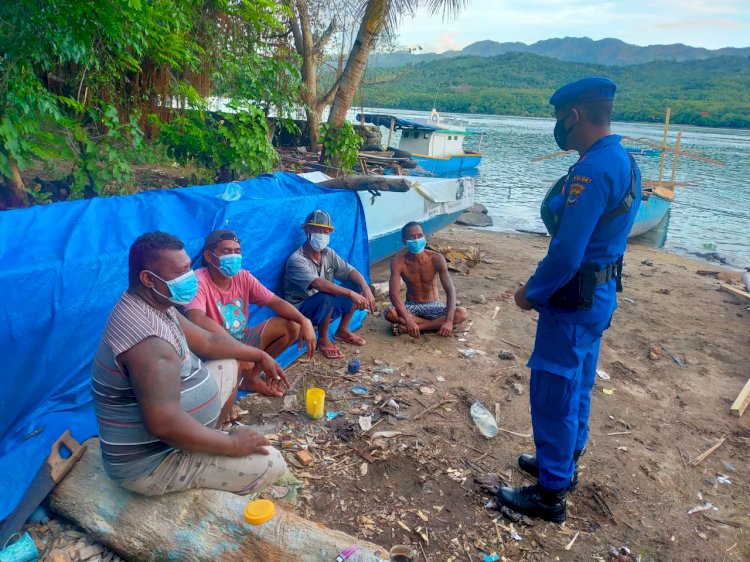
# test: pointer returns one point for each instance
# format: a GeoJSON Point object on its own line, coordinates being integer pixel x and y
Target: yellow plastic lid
{"type": "Point", "coordinates": [259, 511]}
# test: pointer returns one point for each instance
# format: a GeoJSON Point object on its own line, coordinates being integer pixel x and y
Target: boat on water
{"type": "Point", "coordinates": [656, 195]}
{"type": "Point", "coordinates": [654, 207]}
{"type": "Point", "coordinates": [435, 144]}
{"type": "Point", "coordinates": [432, 202]}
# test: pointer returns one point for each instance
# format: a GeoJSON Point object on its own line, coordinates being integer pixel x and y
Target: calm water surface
{"type": "Point", "coordinates": [712, 215]}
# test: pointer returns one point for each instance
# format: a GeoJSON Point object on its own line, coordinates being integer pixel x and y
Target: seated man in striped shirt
{"type": "Point", "coordinates": [158, 405]}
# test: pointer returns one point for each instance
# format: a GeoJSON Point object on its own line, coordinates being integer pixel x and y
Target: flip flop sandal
{"type": "Point", "coordinates": [331, 352]}
{"type": "Point", "coordinates": [353, 340]}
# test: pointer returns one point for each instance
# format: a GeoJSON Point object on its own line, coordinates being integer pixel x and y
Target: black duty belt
{"type": "Point", "coordinates": [579, 292]}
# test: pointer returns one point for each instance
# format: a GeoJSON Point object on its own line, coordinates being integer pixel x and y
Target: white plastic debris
{"type": "Point", "coordinates": [365, 423]}
{"type": "Point", "coordinates": [602, 375]}
{"type": "Point", "coordinates": [469, 352]}
{"type": "Point", "coordinates": [705, 507]}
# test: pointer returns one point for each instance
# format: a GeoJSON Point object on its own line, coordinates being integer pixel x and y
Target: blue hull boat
{"type": "Point", "coordinates": [453, 164]}
{"type": "Point", "coordinates": [651, 212]}
{"type": "Point", "coordinates": [436, 146]}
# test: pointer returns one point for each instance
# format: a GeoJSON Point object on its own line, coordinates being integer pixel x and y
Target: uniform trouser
{"type": "Point", "coordinates": [563, 370]}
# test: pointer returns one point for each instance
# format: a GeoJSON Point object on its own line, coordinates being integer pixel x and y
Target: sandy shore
{"type": "Point", "coordinates": [637, 483]}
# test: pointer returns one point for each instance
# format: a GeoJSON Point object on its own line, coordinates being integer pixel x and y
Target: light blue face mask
{"type": "Point", "coordinates": [416, 246]}
{"type": "Point", "coordinates": [229, 265]}
{"type": "Point", "coordinates": [183, 288]}
{"type": "Point", "coordinates": [319, 241]}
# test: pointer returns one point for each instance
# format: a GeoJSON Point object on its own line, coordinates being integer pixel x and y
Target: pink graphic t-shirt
{"type": "Point", "coordinates": [229, 308]}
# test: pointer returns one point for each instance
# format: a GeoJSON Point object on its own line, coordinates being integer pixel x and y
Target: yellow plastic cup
{"type": "Point", "coordinates": [316, 402]}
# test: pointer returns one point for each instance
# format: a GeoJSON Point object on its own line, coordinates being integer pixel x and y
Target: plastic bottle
{"type": "Point", "coordinates": [483, 419]}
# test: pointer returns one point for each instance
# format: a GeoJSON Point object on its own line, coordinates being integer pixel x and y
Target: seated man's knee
{"type": "Point", "coordinates": [461, 315]}
{"type": "Point", "coordinates": [277, 467]}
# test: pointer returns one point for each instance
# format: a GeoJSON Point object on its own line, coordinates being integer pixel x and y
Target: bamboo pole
{"type": "Point", "coordinates": [664, 146]}
{"type": "Point", "coordinates": [676, 155]}
{"type": "Point", "coordinates": [390, 132]}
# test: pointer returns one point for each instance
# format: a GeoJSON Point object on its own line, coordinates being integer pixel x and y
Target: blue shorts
{"type": "Point", "coordinates": [317, 307]}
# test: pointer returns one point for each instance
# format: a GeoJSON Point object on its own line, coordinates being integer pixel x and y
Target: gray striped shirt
{"type": "Point", "coordinates": [129, 451]}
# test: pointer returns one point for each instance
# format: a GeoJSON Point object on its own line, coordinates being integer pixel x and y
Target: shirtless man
{"type": "Point", "coordinates": [419, 268]}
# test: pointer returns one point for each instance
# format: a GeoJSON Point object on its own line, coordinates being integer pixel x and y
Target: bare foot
{"type": "Point", "coordinates": [234, 414]}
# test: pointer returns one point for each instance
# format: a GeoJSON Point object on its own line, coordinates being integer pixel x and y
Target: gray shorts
{"type": "Point", "coordinates": [427, 310]}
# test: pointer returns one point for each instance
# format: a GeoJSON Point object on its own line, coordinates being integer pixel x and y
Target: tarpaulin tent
{"type": "Point", "coordinates": [63, 266]}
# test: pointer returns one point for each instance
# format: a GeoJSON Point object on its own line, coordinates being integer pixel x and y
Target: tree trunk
{"type": "Point", "coordinates": [15, 187]}
{"type": "Point", "coordinates": [313, 127]}
{"type": "Point", "coordinates": [372, 25]}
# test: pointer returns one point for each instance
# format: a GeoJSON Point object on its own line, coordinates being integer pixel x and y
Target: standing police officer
{"type": "Point", "coordinates": [573, 289]}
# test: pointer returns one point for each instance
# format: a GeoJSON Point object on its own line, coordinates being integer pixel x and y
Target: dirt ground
{"type": "Point", "coordinates": [411, 480]}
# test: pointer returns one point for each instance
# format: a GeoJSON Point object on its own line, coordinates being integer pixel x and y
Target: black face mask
{"type": "Point", "coordinates": [561, 134]}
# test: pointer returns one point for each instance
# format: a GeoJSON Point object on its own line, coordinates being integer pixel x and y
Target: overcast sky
{"type": "Point", "coordinates": [699, 23]}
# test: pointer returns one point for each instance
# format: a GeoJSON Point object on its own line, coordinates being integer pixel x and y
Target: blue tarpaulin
{"type": "Point", "coordinates": [63, 267]}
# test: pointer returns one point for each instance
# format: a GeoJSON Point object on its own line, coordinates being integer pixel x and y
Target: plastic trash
{"type": "Point", "coordinates": [483, 419]}
{"type": "Point", "coordinates": [259, 511]}
{"type": "Point", "coordinates": [233, 192]}
{"type": "Point", "coordinates": [23, 550]}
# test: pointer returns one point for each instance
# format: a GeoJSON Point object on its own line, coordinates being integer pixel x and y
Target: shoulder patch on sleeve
{"type": "Point", "coordinates": [582, 179]}
{"type": "Point", "coordinates": [574, 192]}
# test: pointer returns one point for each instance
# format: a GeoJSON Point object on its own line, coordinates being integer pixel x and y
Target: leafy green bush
{"type": "Point", "coordinates": [228, 144]}
{"type": "Point", "coordinates": [340, 146]}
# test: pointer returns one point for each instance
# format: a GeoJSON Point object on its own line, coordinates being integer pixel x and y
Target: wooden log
{"type": "Point", "coordinates": [734, 291]}
{"type": "Point", "coordinates": [743, 399]}
{"type": "Point", "coordinates": [367, 183]}
{"type": "Point", "coordinates": [198, 525]}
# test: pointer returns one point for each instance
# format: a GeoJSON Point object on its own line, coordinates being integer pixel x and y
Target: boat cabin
{"type": "Point", "coordinates": [438, 143]}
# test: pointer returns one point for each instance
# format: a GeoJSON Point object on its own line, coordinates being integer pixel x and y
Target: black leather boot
{"type": "Point", "coordinates": [535, 501]}
{"type": "Point", "coordinates": [530, 465]}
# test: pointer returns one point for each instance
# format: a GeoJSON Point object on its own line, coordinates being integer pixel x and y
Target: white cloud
{"type": "Point", "coordinates": [700, 23]}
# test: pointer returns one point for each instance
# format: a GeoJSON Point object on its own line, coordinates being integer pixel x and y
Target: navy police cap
{"type": "Point", "coordinates": [583, 90]}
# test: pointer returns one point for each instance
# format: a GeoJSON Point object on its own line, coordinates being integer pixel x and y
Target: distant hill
{"type": "Point", "coordinates": [607, 52]}
{"type": "Point", "coordinates": [713, 92]}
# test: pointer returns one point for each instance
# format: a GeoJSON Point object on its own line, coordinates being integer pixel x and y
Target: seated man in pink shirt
{"type": "Point", "coordinates": [225, 292]}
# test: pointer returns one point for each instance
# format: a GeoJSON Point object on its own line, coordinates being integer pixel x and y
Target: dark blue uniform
{"type": "Point", "coordinates": [563, 364]}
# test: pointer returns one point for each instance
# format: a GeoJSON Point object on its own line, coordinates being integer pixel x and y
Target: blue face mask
{"type": "Point", "coordinates": [229, 265]}
{"type": "Point", "coordinates": [182, 289]}
{"type": "Point", "coordinates": [416, 246]}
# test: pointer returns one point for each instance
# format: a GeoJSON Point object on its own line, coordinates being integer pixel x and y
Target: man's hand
{"type": "Point", "coordinates": [371, 304]}
{"type": "Point", "coordinates": [307, 336]}
{"type": "Point", "coordinates": [411, 327]}
{"type": "Point", "coordinates": [520, 298]}
{"type": "Point", "coordinates": [359, 301]}
{"type": "Point", "coordinates": [275, 375]}
{"type": "Point", "coordinates": [446, 328]}
{"type": "Point", "coordinates": [246, 442]}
